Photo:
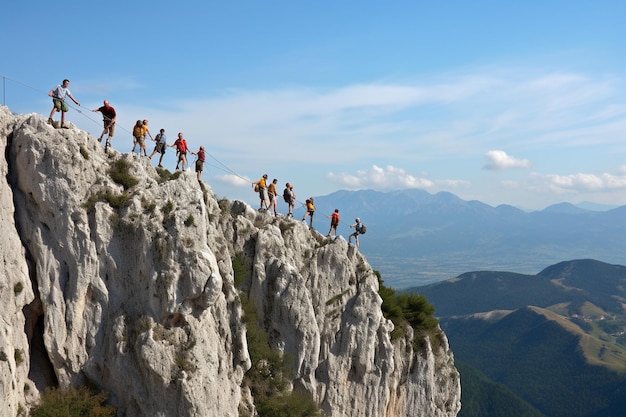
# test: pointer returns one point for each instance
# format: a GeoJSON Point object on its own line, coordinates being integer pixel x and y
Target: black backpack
{"type": "Point", "coordinates": [287, 196]}
{"type": "Point", "coordinates": [363, 229]}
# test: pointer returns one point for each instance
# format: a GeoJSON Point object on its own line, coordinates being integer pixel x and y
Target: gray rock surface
{"type": "Point", "coordinates": [133, 291]}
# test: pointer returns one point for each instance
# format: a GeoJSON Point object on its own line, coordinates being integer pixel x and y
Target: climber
{"type": "Point", "coordinates": [334, 222]}
{"type": "Point", "coordinates": [108, 119]}
{"type": "Point", "coordinates": [260, 186]}
{"type": "Point", "coordinates": [310, 211]}
{"type": "Point", "coordinates": [58, 95]}
{"type": "Point", "coordinates": [359, 229]}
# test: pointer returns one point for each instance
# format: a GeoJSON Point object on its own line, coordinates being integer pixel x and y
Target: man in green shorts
{"type": "Point", "coordinates": [58, 95]}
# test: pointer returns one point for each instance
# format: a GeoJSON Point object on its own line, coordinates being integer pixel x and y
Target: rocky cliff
{"type": "Point", "coordinates": [120, 276]}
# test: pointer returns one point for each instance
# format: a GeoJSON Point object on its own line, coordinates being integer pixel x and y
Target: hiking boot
{"type": "Point", "coordinates": [50, 121]}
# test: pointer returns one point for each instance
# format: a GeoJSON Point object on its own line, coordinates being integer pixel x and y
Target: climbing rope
{"type": "Point", "coordinates": [221, 166]}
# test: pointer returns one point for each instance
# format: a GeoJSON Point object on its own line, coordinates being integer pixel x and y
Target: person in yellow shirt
{"type": "Point", "coordinates": [261, 187]}
{"type": "Point", "coordinates": [310, 210]}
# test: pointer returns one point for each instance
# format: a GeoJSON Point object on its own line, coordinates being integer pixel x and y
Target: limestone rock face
{"type": "Point", "coordinates": [130, 287]}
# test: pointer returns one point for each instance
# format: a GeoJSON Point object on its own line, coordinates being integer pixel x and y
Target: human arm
{"type": "Point", "coordinates": [73, 99]}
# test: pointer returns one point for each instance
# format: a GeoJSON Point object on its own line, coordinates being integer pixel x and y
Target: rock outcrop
{"type": "Point", "coordinates": [130, 287]}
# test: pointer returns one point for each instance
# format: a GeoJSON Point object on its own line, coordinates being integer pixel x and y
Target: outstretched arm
{"type": "Point", "coordinates": [73, 99]}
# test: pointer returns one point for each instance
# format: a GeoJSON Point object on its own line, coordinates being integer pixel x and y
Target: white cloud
{"type": "Point", "coordinates": [386, 178]}
{"type": "Point", "coordinates": [499, 160]}
{"type": "Point", "coordinates": [579, 183]}
{"type": "Point", "coordinates": [586, 182]}
{"type": "Point", "coordinates": [233, 180]}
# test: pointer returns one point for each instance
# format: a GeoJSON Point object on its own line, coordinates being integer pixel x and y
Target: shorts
{"type": "Point", "coordinates": [160, 148]}
{"type": "Point", "coordinates": [60, 104]}
{"type": "Point", "coordinates": [142, 141]}
{"type": "Point", "coordinates": [110, 126]}
{"type": "Point", "coordinates": [135, 139]}
{"type": "Point", "coordinates": [199, 165]}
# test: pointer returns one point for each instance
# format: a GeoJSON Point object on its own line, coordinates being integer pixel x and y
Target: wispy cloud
{"type": "Point", "coordinates": [499, 160]}
{"type": "Point", "coordinates": [586, 182]}
{"type": "Point", "coordinates": [386, 178]}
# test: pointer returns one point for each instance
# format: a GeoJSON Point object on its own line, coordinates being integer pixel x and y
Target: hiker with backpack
{"type": "Point", "coordinates": [359, 229]}
{"type": "Point", "coordinates": [58, 95]}
{"type": "Point", "coordinates": [271, 191]}
{"type": "Point", "coordinates": [334, 222]}
{"type": "Point", "coordinates": [260, 187]}
{"type": "Point", "coordinates": [310, 211]}
{"type": "Point", "coordinates": [108, 119]}
{"type": "Point", "coordinates": [289, 195]}
{"type": "Point", "coordinates": [139, 136]}
{"type": "Point", "coordinates": [181, 150]}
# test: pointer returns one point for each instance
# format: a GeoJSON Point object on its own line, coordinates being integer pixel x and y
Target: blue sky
{"type": "Point", "coordinates": [520, 104]}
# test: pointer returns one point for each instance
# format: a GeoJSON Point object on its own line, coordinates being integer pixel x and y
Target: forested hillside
{"type": "Point", "coordinates": [555, 339]}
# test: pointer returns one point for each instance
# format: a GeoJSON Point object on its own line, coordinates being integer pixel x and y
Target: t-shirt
{"type": "Point", "coordinates": [161, 138]}
{"type": "Point", "coordinates": [108, 113]}
{"type": "Point", "coordinates": [201, 155]}
{"type": "Point", "coordinates": [181, 145]}
{"type": "Point", "coordinates": [334, 218]}
{"type": "Point", "coordinates": [60, 92]}
{"type": "Point", "coordinates": [262, 182]}
{"type": "Point", "coordinates": [272, 189]}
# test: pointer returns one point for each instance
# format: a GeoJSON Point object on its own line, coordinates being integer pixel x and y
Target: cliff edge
{"type": "Point", "coordinates": [120, 276]}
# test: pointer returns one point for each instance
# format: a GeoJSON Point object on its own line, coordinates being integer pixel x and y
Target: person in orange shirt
{"type": "Point", "coordinates": [334, 222]}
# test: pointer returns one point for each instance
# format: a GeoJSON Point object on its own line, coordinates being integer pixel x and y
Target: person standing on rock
{"type": "Point", "coordinates": [181, 150]}
{"type": "Point", "coordinates": [108, 119]}
{"type": "Point", "coordinates": [289, 196]}
{"type": "Point", "coordinates": [310, 211]}
{"type": "Point", "coordinates": [334, 222]}
{"type": "Point", "coordinates": [142, 139]}
{"type": "Point", "coordinates": [58, 95]}
{"type": "Point", "coordinates": [199, 161]}
{"type": "Point", "coordinates": [271, 191]}
{"type": "Point", "coordinates": [260, 186]}
{"type": "Point", "coordinates": [161, 146]}
{"type": "Point", "coordinates": [359, 229]}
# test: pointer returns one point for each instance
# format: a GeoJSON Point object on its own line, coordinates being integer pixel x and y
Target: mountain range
{"type": "Point", "coordinates": [553, 343]}
{"type": "Point", "coordinates": [415, 237]}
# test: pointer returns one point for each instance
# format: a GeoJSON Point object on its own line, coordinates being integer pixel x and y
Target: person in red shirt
{"type": "Point", "coordinates": [181, 150]}
{"type": "Point", "coordinates": [334, 222]}
{"type": "Point", "coordinates": [199, 161]}
{"type": "Point", "coordinates": [108, 118]}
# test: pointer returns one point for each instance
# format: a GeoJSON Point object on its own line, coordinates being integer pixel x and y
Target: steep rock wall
{"type": "Point", "coordinates": [133, 291]}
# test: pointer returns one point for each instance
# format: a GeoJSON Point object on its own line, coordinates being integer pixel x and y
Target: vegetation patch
{"type": "Point", "coordinates": [168, 207]}
{"type": "Point", "coordinates": [224, 205]}
{"type": "Point", "coordinates": [271, 373]}
{"type": "Point", "coordinates": [115, 200]}
{"type": "Point", "coordinates": [189, 221]}
{"type": "Point", "coordinates": [18, 287]}
{"type": "Point", "coordinates": [413, 310]}
{"type": "Point", "coordinates": [83, 152]}
{"type": "Point", "coordinates": [336, 297]}
{"type": "Point", "coordinates": [71, 403]}
{"type": "Point", "coordinates": [120, 174]}
{"type": "Point", "coordinates": [18, 355]}
{"type": "Point", "coordinates": [239, 270]}
{"type": "Point", "coordinates": [166, 175]}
